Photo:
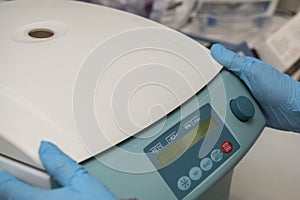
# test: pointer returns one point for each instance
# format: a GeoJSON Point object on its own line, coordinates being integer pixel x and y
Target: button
{"type": "Point", "coordinates": [242, 108]}
{"type": "Point", "coordinates": [226, 147]}
{"type": "Point", "coordinates": [206, 164]}
{"type": "Point", "coordinates": [195, 173]}
{"type": "Point", "coordinates": [216, 155]}
{"type": "Point", "coordinates": [184, 183]}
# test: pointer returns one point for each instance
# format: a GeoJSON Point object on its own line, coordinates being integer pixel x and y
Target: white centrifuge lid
{"type": "Point", "coordinates": [87, 77]}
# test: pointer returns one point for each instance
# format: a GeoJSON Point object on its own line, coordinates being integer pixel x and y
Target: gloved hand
{"type": "Point", "coordinates": [277, 94]}
{"type": "Point", "coordinates": [76, 183]}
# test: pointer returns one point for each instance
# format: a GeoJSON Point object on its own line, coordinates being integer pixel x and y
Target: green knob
{"type": "Point", "coordinates": [242, 108]}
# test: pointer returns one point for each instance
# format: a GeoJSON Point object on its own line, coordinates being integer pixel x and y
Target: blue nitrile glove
{"type": "Point", "coordinates": [76, 183]}
{"type": "Point", "coordinates": [277, 93]}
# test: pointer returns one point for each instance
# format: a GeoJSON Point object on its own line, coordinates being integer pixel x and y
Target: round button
{"type": "Point", "coordinates": [184, 183]}
{"type": "Point", "coordinates": [216, 155]}
{"type": "Point", "coordinates": [206, 164]}
{"type": "Point", "coordinates": [242, 108]}
{"type": "Point", "coordinates": [195, 173]}
{"type": "Point", "coordinates": [226, 147]}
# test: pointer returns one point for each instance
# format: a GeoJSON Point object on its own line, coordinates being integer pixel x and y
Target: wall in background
{"type": "Point", "coordinates": [270, 170]}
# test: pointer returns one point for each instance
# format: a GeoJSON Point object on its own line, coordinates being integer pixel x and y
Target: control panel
{"type": "Point", "coordinates": [189, 152]}
{"type": "Point", "coordinates": [176, 153]}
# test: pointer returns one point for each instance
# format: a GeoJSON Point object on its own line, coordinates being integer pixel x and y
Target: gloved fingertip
{"type": "Point", "coordinates": [47, 148]}
{"type": "Point", "coordinates": [217, 47]}
{"type": "Point", "coordinates": [45, 144]}
{"type": "Point", "coordinates": [217, 51]}
{"type": "Point", "coordinates": [59, 165]}
{"type": "Point", "coordinates": [222, 55]}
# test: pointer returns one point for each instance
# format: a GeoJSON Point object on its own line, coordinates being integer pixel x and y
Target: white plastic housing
{"type": "Point", "coordinates": [103, 76]}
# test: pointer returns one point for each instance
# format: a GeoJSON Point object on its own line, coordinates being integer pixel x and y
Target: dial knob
{"type": "Point", "coordinates": [242, 108]}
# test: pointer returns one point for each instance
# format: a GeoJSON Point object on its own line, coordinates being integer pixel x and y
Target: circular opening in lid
{"type": "Point", "coordinates": [41, 33]}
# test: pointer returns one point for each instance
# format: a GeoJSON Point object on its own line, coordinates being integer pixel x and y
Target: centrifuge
{"type": "Point", "coordinates": [142, 107]}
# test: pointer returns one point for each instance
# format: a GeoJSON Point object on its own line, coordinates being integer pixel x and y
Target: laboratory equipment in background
{"type": "Point", "coordinates": [138, 7]}
{"type": "Point", "coordinates": [142, 107]}
{"type": "Point", "coordinates": [282, 48]}
{"type": "Point", "coordinates": [173, 13]}
{"type": "Point", "coordinates": [233, 15]}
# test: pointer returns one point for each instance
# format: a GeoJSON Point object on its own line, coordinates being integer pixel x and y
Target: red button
{"type": "Point", "coordinates": [226, 147]}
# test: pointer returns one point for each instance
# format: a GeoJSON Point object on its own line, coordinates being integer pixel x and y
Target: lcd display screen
{"type": "Point", "coordinates": [175, 150]}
